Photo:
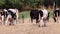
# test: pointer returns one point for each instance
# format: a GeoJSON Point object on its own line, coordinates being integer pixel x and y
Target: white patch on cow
{"type": "Point", "coordinates": [45, 13]}
{"type": "Point", "coordinates": [0, 20]}
{"type": "Point", "coordinates": [57, 8]}
{"type": "Point", "coordinates": [13, 10]}
{"type": "Point", "coordinates": [5, 10]}
{"type": "Point", "coordinates": [17, 13]}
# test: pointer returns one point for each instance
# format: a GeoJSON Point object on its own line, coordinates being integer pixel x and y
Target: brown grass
{"type": "Point", "coordinates": [29, 28]}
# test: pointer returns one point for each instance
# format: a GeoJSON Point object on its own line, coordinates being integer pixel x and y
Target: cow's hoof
{"type": "Point", "coordinates": [58, 22]}
{"type": "Point", "coordinates": [12, 24]}
{"type": "Point", "coordinates": [39, 26]}
{"type": "Point", "coordinates": [44, 25]}
{"type": "Point", "coordinates": [9, 24]}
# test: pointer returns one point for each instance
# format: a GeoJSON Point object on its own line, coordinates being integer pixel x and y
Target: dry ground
{"type": "Point", "coordinates": [29, 28]}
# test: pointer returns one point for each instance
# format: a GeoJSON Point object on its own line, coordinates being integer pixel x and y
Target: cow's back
{"type": "Point", "coordinates": [34, 13]}
{"type": "Point", "coordinates": [57, 12]}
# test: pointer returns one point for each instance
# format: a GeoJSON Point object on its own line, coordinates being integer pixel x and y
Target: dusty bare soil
{"type": "Point", "coordinates": [29, 28]}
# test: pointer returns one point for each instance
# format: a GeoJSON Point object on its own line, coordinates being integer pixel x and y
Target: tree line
{"type": "Point", "coordinates": [21, 4]}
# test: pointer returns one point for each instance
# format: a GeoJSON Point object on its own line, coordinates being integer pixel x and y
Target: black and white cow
{"type": "Point", "coordinates": [40, 15]}
{"type": "Point", "coordinates": [56, 15]}
{"type": "Point", "coordinates": [10, 16]}
{"type": "Point", "coordinates": [13, 16]}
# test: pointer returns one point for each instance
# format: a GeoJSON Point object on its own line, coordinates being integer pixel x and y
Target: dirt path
{"type": "Point", "coordinates": [29, 28]}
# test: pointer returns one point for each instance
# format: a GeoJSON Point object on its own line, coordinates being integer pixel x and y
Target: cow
{"type": "Point", "coordinates": [14, 11]}
{"type": "Point", "coordinates": [9, 15]}
{"type": "Point", "coordinates": [56, 15]}
{"type": "Point", "coordinates": [41, 16]}
{"type": "Point", "coordinates": [13, 16]}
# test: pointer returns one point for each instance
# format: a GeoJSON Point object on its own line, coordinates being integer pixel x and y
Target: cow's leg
{"type": "Point", "coordinates": [31, 20]}
{"type": "Point", "coordinates": [37, 18]}
{"type": "Point", "coordinates": [40, 19]}
{"type": "Point", "coordinates": [6, 21]}
{"type": "Point", "coordinates": [57, 17]}
{"type": "Point", "coordinates": [17, 16]}
{"type": "Point", "coordinates": [48, 17]}
{"type": "Point", "coordinates": [2, 20]}
{"type": "Point", "coordinates": [44, 20]}
{"type": "Point", "coordinates": [14, 22]}
{"type": "Point", "coordinates": [54, 19]}
{"type": "Point", "coordinates": [9, 22]}
{"type": "Point", "coordinates": [41, 23]}
{"type": "Point", "coordinates": [37, 21]}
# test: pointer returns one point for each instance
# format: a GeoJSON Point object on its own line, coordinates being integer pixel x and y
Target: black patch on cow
{"type": "Point", "coordinates": [41, 13]}
{"type": "Point", "coordinates": [1, 13]}
{"type": "Point", "coordinates": [12, 14]}
{"type": "Point", "coordinates": [56, 12]}
{"type": "Point", "coordinates": [34, 14]}
{"type": "Point", "coordinates": [5, 14]}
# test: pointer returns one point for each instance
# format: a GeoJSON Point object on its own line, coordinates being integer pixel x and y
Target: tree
{"type": "Point", "coordinates": [2, 2]}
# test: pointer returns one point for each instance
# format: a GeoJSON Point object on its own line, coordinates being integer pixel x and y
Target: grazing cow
{"type": "Point", "coordinates": [8, 16]}
{"type": "Point", "coordinates": [14, 11]}
{"type": "Point", "coordinates": [56, 15]}
{"type": "Point", "coordinates": [34, 14]}
{"type": "Point", "coordinates": [13, 15]}
{"type": "Point", "coordinates": [41, 15]}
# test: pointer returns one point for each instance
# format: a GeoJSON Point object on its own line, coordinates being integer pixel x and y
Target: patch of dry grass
{"type": "Point", "coordinates": [29, 28]}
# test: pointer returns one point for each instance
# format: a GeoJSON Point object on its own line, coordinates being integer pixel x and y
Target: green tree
{"type": "Point", "coordinates": [2, 2]}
